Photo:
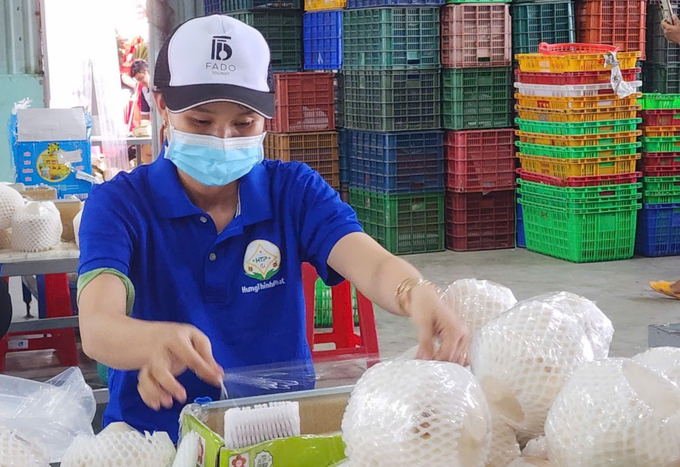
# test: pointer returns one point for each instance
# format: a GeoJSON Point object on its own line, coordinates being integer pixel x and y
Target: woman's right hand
{"type": "Point", "coordinates": [672, 31]}
{"type": "Point", "coordinates": [180, 347]}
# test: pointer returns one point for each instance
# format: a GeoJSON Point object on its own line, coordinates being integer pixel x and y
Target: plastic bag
{"type": "Point", "coordinates": [51, 413]}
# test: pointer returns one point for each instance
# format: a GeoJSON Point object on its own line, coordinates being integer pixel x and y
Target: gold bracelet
{"type": "Point", "coordinates": [403, 293]}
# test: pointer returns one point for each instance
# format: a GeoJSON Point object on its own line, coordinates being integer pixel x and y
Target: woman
{"type": "Point", "coordinates": [190, 266]}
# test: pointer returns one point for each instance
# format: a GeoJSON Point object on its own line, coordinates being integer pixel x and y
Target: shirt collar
{"type": "Point", "coordinates": [171, 201]}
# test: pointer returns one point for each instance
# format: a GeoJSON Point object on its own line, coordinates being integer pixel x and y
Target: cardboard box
{"type": "Point", "coordinates": [320, 444]}
{"type": "Point", "coordinates": [68, 209]}
{"type": "Point", "coordinates": [42, 140]}
{"type": "Point", "coordinates": [37, 193]}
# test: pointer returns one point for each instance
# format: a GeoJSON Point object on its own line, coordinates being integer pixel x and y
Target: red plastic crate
{"type": "Point", "coordinates": [304, 102]}
{"type": "Point", "coordinates": [660, 117]}
{"type": "Point", "coordinates": [660, 164]}
{"type": "Point", "coordinates": [585, 77]}
{"type": "Point", "coordinates": [621, 23]}
{"type": "Point", "coordinates": [480, 160]}
{"type": "Point", "coordinates": [480, 221]}
{"type": "Point", "coordinates": [476, 35]}
{"type": "Point", "coordinates": [597, 180]}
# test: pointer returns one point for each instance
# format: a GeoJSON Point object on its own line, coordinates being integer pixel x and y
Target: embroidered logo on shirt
{"type": "Point", "coordinates": [262, 260]}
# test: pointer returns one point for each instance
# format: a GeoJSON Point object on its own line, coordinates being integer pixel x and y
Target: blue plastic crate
{"type": "Point", "coordinates": [322, 33]}
{"type": "Point", "coordinates": [343, 156]}
{"type": "Point", "coordinates": [521, 239]}
{"type": "Point", "coordinates": [404, 162]}
{"type": "Point", "coordinates": [658, 230]}
{"type": "Point", "coordinates": [380, 3]}
{"type": "Point", "coordinates": [213, 6]}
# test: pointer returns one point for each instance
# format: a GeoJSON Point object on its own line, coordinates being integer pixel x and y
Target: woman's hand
{"type": "Point", "coordinates": [672, 31]}
{"type": "Point", "coordinates": [180, 347]}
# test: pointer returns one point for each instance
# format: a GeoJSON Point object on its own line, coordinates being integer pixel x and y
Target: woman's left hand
{"type": "Point", "coordinates": [672, 31]}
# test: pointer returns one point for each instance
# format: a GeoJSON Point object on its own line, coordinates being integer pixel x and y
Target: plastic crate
{"type": "Point", "coordinates": [662, 78]}
{"type": "Point", "coordinates": [542, 63]}
{"type": "Point", "coordinates": [396, 162]}
{"type": "Point", "coordinates": [661, 163]}
{"type": "Point", "coordinates": [323, 305]}
{"type": "Point", "coordinates": [229, 6]}
{"type": "Point", "coordinates": [212, 6]}
{"type": "Point", "coordinates": [391, 38]}
{"type": "Point", "coordinates": [661, 131]}
{"type": "Point", "coordinates": [659, 49]}
{"type": "Point", "coordinates": [660, 118]}
{"type": "Point", "coordinates": [578, 152]}
{"type": "Point", "coordinates": [533, 23]}
{"type": "Point", "coordinates": [343, 156]}
{"type": "Point", "coordinates": [304, 102]}
{"type": "Point", "coordinates": [475, 98]}
{"type": "Point", "coordinates": [402, 224]}
{"type": "Point", "coordinates": [658, 230]}
{"type": "Point", "coordinates": [574, 182]}
{"type": "Point", "coordinates": [480, 221]}
{"type": "Point", "coordinates": [379, 3]}
{"type": "Point", "coordinates": [661, 144]}
{"type": "Point", "coordinates": [318, 150]}
{"type": "Point", "coordinates": [339, 89]}
{"type": "Point", "coordinates": [661, 184]}
{"type": "Point", "coordinates": [586, 128]}
{"type": "Point", "coordinates": [322, 33]}
{"type": "Point", "coordinates": [283, 32]}
{"type": "Point", "coordinates": [577, 116]}
{"type": "Point", "coordinates": [584, 235]}
{"type": "Point", "coordinates": [314, 5]}
{"type": "Point", "coordinates": [476, 35]}
{"type": "Point", "coordinates": [570, 91]}
{"type": "Point", "coordinates": [576, 103]}
{"type": "Point", "coordinates": [480, 160]}
{"type": "Point", "coordinates": [660, 102]}
{"type": "Point", "coordinates": [579, 140]}
{"type": "Point", "coordinates": [392, 100]}
{"type": "Point", "coordinates": [521, 241]}
{"type": "Point", "coordinates": [621, 23]}
{"type": "Point", "coordinates": [603, 196]}
{"type": "Point", "coordinates": [569, 79]}
{"type": "Point", "coordinates": [569, 168]}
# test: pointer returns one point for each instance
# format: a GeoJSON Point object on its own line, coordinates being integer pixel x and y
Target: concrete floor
{"type": "Point", "coordinates": [620, 289]}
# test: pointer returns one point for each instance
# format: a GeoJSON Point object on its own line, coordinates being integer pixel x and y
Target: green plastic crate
{"type": "Point", "coordinates": [552, 22]}
{"type": "Point", "coordinates": [578, 152]}
{"type": "Point", "coordinates": [660, 144]}
{"type": "Point", "coordinates": [605, 196]}
{"type": "Point", "coordinates": [392, 100]}
{"type": "Point", "coordinates": [391, 38]}
{"type": "Point", "coordinates": [581, 236]}
{"type": "Point", "coordinates": [664, 79]}
{"type": "Point", "coordinates": [402, 224]}
{"type": "Point", "coordinates": [323, 305]}
{"type": "Point", "coordinates": [283, 32]}
{"type": "Point", "coordinates": [659, 101]}
{"type": "Point", "coordinates": [476, 98]}
{"type": "Point", "coordinates": [660, 190]}
{"type": "Point", "coordinates": [576, 129]}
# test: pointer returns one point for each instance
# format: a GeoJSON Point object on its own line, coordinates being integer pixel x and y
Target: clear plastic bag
{"type": "Point", "coordinates": [51, 413]}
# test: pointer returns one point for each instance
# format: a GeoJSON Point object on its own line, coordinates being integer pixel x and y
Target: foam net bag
{"type": "Point", "coordinates": [598, 327]}
{"type": "Point", "coordinates": [530, 462]}
{"type": "Point", "coordinates": [114, 449]}
{"type": "Point", "coordinates": [5, 239]}
{"type": "Point", "coordinates": [663, 359]}
{"type": "Point", "coordinates": [615, 412]}
{"type": "Point", "coordinates": [408, 413]}
{"type": "Point", "coordinates": [17, 451]}
{"type": "Point", "coordinates": [478, 301]}
{"type": "Point", "coordinates": [36, 227]}
{"type": "Point", "coordinates": [536, 448]}
{"type": "Point", "coordinates": [504, 445]}
{"type": "Point", "coordinates": [523, 358]}
{"type": "Point", "coordinates": [11, 201]}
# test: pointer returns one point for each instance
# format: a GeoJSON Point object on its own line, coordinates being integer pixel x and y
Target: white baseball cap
{"type": "Point", "coordinates": [215, 59]}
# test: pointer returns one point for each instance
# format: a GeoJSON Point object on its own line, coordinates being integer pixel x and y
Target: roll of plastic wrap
{"type": "Point", "coordinates": [523, 358]}
{"type": "Point", "coordinates": [478, 301]}
{"type": "Point", "coordinates": [410, 412]}
{"type": "Point", "coordinates": [16, 451]}
{"type": "Point", "coordinates": [615, 412]}
{"type": "Point", "coordinates": [36, 227]}
{"type": "Point", "coordinates": [187, 451]}
{"type": "Point", "coordinates": [504, 445]}
{"type": "Point", "coordinates": [10, 202]}
{"type": "Point", "coordinates": [663, 359]}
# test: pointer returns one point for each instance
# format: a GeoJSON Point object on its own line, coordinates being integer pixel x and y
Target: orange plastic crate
{"type": "Point", "coordinates": [543, 63]}
{"type": "Point", "coordinates": [577, 116]}
{"type": "Point", "coordinates": [579, 140]}
{"type": "Point", "coordinates": [567, 168]}
{"type": "Point", "coordinates": [621, 23]}
{"type": "Point", "coordinates": [660, 131]}
{"type": "Point", "coordinates": [576, 103]}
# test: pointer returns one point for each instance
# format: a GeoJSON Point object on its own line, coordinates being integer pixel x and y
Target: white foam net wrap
{"type": "Point", "coordinates": [407, 413]}
{"type": "Point", "coordinates": [530, 462]}
{"type": "Point", "coordinates": [523, 358]}
{"type": "Point", "coordinates": [504, 445]}
{"type": "Point", "coordinates": [599, 328]}
{"type": "Point", "coordinates": [10, 202]}
{"type": "Point", "coordinates": [663, 359]}
{"type": "Point", "coordinates": [615, 412]}
{"type": "Point", "coordinates": [114, 449]}
{"type": "Point", "coordinates": [76, 226]}
{"type": "Point", "coordinates": [17, 451]}
{"type": "Point", "coordinates": [5, 239]}
{"type": "Point", "coordinates": [536, 448]}
{"type": "Point", "coordinates": [36, 227]}
{"type": "Point", "coordinates": [478, 301]}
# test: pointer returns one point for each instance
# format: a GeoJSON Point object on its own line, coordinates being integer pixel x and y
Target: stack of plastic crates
{"type": "Point", "coordinates": [533, 22]}
{"type": "Point", "coordinates": [662, 70]}
{"type": "Point", "coordinates": [659, 221]}
{"type": "Point", "coordinates": [303, 127]}
{"type": "Point", "coordinates": [391, 97]}
{"type": "Point", "coordinates": [322, 34]}
{"type": "Point", "coordinates": [621, 23]}
{"type": "Point", "coordinates": [578, 150]}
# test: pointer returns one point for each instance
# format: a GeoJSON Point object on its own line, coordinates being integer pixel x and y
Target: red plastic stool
{"type": "Point", "coordinates": [347, 342]}
{"type": "Point", "coordinates": [58, 305]}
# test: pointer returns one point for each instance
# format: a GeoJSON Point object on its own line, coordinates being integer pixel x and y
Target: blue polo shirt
{"type": "Point", "coordinates": [242, 288]}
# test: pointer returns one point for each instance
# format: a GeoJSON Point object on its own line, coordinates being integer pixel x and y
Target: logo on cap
{"type": "Point", "coordinates": [220, 48]}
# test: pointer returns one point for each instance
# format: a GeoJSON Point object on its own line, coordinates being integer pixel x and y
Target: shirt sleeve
{"type": "Point", "coordinates": [106, 232]}
{"type": "Point", "coordinates": [324, 220]}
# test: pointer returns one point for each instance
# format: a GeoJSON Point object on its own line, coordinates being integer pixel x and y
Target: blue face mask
{"type": "Point", "coordinates": [214, 161]}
